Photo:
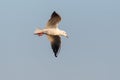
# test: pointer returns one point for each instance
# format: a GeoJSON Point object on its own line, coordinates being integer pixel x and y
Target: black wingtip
{"type": "Point", "coordinates": [56, 56]}
{"type": "Point", "coordinates": [54, 11]}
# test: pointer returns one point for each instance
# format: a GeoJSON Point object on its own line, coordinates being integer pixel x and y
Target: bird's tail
{"type": "Point", "coordinates": [38, 30]}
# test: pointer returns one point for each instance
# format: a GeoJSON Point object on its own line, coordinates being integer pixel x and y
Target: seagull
{"type": "Point", "coordinates": [53, 32]}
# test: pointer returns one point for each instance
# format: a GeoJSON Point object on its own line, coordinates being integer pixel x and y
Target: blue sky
{"type": "Point", "coordinates": [92, 51]}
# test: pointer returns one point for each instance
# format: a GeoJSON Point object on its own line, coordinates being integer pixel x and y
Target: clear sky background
{"type": "Point", "coordinates": [92, 51]}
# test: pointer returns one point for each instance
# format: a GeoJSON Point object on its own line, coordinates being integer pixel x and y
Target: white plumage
{"type": "Point", "coordinates": [53, 32]}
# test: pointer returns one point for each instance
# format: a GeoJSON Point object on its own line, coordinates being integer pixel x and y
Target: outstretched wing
{"type": "Point", "coordinates": [54, 20]}
{"type": "Point", "coordinates": [55, 44]}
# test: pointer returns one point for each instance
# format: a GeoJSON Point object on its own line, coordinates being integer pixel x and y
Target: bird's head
{"type": "Point", "coordinates": [63, 33]}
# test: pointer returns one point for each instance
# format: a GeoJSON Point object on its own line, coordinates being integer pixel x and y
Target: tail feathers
{"type": "Point", "coordinates": [38, 30]}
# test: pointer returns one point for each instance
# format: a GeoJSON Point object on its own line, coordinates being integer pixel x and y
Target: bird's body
{"type": "Point", "coordinates": [53, 32]}
{"type": "Point", "coordinates": [49, 31]}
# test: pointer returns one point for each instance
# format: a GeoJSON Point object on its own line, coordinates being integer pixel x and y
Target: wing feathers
{"type": "Point", "coordinates": [55, 44]}
{"type": "Point", "coordinates": [54, 20]}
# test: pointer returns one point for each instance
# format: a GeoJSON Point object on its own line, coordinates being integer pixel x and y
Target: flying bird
{"type": "Point", "coordinates": [53, 32]}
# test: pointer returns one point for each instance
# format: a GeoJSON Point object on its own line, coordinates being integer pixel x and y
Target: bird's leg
{"type": "Point", "coordinates": [40, 34]}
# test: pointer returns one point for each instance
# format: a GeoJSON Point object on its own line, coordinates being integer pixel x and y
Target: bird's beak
{"type": "Point", "coordinates": [67, 37]}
